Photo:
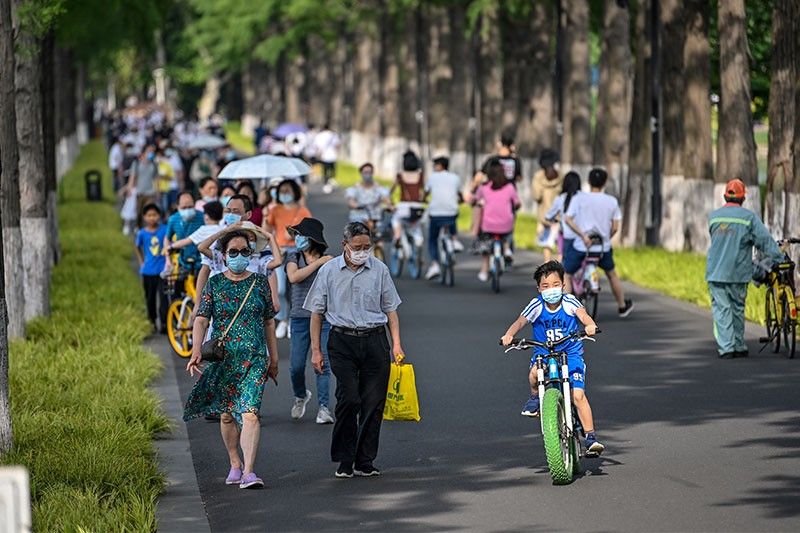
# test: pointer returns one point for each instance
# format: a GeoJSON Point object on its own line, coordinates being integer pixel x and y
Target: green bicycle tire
{"type": "Point", "coordinates": [552, 406]}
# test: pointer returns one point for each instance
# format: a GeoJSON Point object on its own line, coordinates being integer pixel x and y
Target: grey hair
{"type": "Point", "coordinates": [354, 229]}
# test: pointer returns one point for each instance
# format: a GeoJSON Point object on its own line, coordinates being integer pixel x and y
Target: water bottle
{"type": "Point", "coordinates": [553, 369]}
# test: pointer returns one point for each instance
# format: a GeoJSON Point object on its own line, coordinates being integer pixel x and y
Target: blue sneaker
{"type": "Point", "coordinates": [531, 407]}
{"type": "Point", "coordinates": [593, 447]}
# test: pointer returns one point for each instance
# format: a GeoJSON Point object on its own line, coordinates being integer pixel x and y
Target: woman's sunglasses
{"type": "Point", "coordinates": [245, 252]}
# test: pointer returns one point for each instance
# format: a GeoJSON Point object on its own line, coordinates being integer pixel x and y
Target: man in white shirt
{"type": "Point", "coordinates": [598, 214]}
{"type": "Point", "coordinates": [444, 190]}
{"type": "Point", "coordinates": [327, 143]}
{"type": "Point", "coordinates": [116, 156]}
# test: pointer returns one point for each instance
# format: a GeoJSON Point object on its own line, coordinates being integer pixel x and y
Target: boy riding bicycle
{"type": "Point", "coordinates": [555, 315]}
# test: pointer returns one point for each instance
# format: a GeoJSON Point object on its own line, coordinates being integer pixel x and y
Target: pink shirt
{"type": "Point", "coordinates": [498, 209]}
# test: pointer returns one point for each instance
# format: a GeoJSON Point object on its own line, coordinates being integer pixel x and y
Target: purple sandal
{"type": "Point", "coordinates": [234, 476]}
{"type": "Point", "coordinates": [251, 481]}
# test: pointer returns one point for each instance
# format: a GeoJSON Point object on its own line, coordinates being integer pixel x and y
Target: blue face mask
{"type": "Point", "coordinates": [186, 214]}
{"type": "Point", "coordinates": [224, 200]}
{"type": "Point", "coordinates": [274, 194]}
{"type": "Point", "coordinates": [286, 198]}
{"type": "Point", "coordinates": [237, 264]}
{"type": "Point", "coordinates": [302, 243]}
{"type": "Point", "coordinates": [552, 296]}
{"type": "Point", "coordinates": [209, 199]}
{"type": "Point", "coordinates": [151, 156]}
{"type": "Point", "coordinates": [231, 218]}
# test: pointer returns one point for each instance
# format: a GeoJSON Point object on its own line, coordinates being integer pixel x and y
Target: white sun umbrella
{"type": "Point", "coordinates": [206, 141]}
{"type": "Point", "coordinates": [265, 167]}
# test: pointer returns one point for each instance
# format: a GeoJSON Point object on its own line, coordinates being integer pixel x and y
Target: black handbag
{"type": "Point", "coordinates": [213, 351]}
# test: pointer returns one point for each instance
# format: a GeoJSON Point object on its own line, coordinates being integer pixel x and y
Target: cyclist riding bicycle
{"type": "Point", "coordinates": [555, 315]}
{"type": "Point", "coordinates": [498, 200]}
{"type": "Point", "coordinates": [367, 199]}
{"type": "Point", "coordinates": [729, 268]}
{"type": "Point", "coordinates": [443, 195]}
{"type": "Point", "coordinates": [411, 184]}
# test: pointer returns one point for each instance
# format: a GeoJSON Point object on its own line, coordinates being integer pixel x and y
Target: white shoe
{"type": "Point", "coordinates": [299, 407]}
{"type": "Point", "coordinates": [126, 230]}
{"type": "Point", "coordinates": [483, 276]}
{"type": "Point", "coordinates": [457, 246]}
{"type": "Point", "coordinates": [433, 271]}
{"type": "Point", "coordinates": [324, 415]}
{"type": "Point", "coordinates": [327, 188]}
{"type": "Point", "coordinates": [282, 329]}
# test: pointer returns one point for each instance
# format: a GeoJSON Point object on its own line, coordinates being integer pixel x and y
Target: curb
{"type": "Point", "coordinates": [180, 507]}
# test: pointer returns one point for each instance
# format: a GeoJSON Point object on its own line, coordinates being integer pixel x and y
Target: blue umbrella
{"type": "Point", "coordinates": [288, 128]}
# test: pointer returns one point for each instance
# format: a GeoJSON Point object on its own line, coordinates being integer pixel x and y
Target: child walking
{"type": "Point", "coordinates": [149, 252]}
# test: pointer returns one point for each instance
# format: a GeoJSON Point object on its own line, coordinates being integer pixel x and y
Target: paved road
{"type": "Point", "coordinates": [693, 443]}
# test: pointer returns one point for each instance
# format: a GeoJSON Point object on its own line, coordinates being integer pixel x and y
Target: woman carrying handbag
{"type": "Point", "coordinates": [241, 355]}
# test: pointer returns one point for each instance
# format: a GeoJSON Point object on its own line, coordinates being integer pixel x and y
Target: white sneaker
{"type": "Point", "coordinates": [126, 230]}
{"type": "Point", "coordinates": [324, 415]}
{"type": "Point", "coordinates": [483, 276]}
{"type": "Point", "coordinates": [299, 407]}
{"type": "Point", "coordinates": [457, 246]}
{"type": "Point", "coordinates": [327, 188]}
{"type": "Point", "coordinates": [433, 271]}
{"type": "Point", "coordinates": [281, 329]}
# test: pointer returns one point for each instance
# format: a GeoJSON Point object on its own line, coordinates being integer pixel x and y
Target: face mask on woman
{"type": "Point", "coordinates": [237, 264]}
{"type": "Point", "coordinates": [231, 218]}
{"type": "Point", "coordinates": [302, 243]}
{"type": "Point", "coordinates": [286, 197]}
{"type": "Point", "coordinates": [359, 257]}
{"type": "Point", "coordinates": [209, 199]}
{"type": "Point", "coordinates": [552, 296]}
{"type": "Point", "coordinates": [274, 193]}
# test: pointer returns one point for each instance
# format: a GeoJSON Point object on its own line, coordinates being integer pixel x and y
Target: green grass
{"type": "Point", "coordinates": [241, 143]}
{"type": "Point", "coordinates": [83, 417]}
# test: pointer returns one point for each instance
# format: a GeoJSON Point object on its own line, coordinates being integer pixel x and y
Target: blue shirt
{"type": "Point", "coordinates": [151, 243]}
{"type": "Point", "coordinates": [180, 229]}
{"type": "Point", "coordinates": [553, 325]}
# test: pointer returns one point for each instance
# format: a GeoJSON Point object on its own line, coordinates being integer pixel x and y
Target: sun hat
{"type": "Point", "coordinates": [261, 240]}
{"type": "Point", "coordinates": [311, 228]}
{"type": "Point", "coordinates": [735, 189]}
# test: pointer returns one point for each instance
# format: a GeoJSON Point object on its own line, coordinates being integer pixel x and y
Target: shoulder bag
{"type": "Point", "coordinates": [213, 351]}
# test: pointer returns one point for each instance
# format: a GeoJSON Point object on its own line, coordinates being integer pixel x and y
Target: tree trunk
{"type": "Point", "coordinates": [9, 183]}
{"type": "Point", "coordinates": [782, 116]}
{"type": "Point", "coordinates": [736, 147]}
{"type": "Point", "coordinates": [614, 99]}
{"type": "Point", "coordinates": [576, 146]}
{"type": "Point", "coordinates": [49, 141]}
{"type": "Point", "coordinates": [32, 181]}
{"type": "Point", "coordinates": [672, 86]}
{"type": "Point", "coordinates": [458, 110]}
{"type": "Point", "coordinates": [210, 98]}
{"type": "Point", "coordinates": [440, 80]}
{"type": "Point", "coordinates": [636, 207]}
{"type": "Point", "coordinates": [294, 89]}
{"type": "Point", "coordinates": [491, 82]}
{"type": "Point", "coordinates": [536, 130]}
{"type": "Point", "coordinates": [407, 59]}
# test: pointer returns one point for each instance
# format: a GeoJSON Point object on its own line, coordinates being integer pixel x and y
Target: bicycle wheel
{"type": "Point", "coordinates": [448, 273]}
{"type": "Point", "coordinates": [771, 321]}
{"type": "Point", "coordinates": [496, 269]}
{"type": "Point", "coordinates": [575, 443]}
{"type": "Point", "coordinates": [396, 262]}
{"type": "Point", "coordinates": [789, 325]}
{"type": "Point", "coordinates": [557, 446]}
{"type": "Point", "coordinates": [590, 299]}
{"type": "Point", "coordinates": [415, 263]}
{"type": "Point", "coordinates": [179, 329]}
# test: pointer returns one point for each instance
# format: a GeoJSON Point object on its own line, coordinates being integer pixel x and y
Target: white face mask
{"type": "Point", "coordinates": [359, 257]}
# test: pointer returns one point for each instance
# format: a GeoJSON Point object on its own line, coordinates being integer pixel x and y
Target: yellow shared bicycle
{"type": "Point", "coordinates": [180, 289]}
{"type": "Point", "coordinates": [781, 306]}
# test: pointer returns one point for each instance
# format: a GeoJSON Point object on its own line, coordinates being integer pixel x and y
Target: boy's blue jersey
{"type": "Point", "coordinates": [553, 325]}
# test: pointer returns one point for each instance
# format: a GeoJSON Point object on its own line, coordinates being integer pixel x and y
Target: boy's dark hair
{"type": "Point", "coordinates": [548, 268]}
{"type": "Point", "coordinates": [248, 203]}
{"type": "Point", "coordinates": [732, 200]}
{"type": "Point", "coordinates": [598, 178]}
{"type": "Point", "coordinates": [365, 165]}
{"type": "Point", "coordinates": [443, 162]}
{"type": "Point", "coordinates": [151, 207]}
{"type": "Point", "coordinates": [507, 139]}
{"type": "Point", "coordinates": [213, 210]}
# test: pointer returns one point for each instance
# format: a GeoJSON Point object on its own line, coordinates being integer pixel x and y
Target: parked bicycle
{"type": "Point", "coordinates": [409, 248]}
{"type": "Point", "coordinates": [561, 427]}
{"type": "Point", "coordinates": [180, 289]}
{"type": "Point", "coordinates": [586, 281]}
{"type": "Point", "coordinates": [781, 304]}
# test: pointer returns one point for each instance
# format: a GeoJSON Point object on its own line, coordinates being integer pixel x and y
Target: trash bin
{"type": "Point", "coordinates": [94, 187]}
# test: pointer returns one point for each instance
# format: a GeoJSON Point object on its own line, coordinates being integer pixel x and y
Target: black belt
{"type": "Point", "coordinates": [361, 332]}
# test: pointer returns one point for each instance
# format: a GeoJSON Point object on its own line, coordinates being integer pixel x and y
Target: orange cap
{"type": "Point", "coordinates": [735, 189]}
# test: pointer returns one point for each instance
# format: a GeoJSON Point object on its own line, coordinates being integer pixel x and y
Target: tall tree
{"type": "Point", "coordinates": [614, 95]}
{"type": "Point", "coordinates": [672, 42]}
{"type": "Point", "coordinates": [36, 253]}
{"type": "Point", "coordinates": [736, 146]}
{"type": "Point", "coordinates": [9, 201]}
{"type": "Point", "coordinates": [576, 145]}
{"type": "Point", "coordinates": [697, 150]}
{"type": "Point", "coordinates": [782, 115]}
{"type": "Point", "coordinates": [9, 179]}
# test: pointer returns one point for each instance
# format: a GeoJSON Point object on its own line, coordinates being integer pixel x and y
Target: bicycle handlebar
{"type": "Point", "coordinates": [523, 344]}
{"type": "Point", "coordinates": [791, 240]}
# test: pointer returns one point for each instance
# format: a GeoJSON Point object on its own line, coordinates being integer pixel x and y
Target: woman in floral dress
{"type": "Point", "coordinates": [232, 388]}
